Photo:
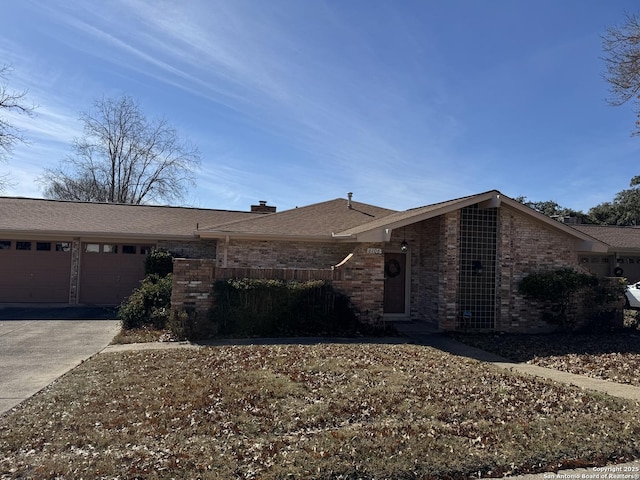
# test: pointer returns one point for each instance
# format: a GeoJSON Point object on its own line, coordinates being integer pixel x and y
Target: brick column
{"type": "Point", "coordinates": [449, 270]}
{"type": "Point", "coordinates": [74, 282]}
{"type": "Point", "coordinates": [192, 283]}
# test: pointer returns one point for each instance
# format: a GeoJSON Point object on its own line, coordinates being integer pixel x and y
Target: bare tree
{"type": "Point", "coordinates": [10, 102]}
{"type": "Point", "coordinates": [621, 45]}
{"type": "Point", "coordinates": [123, 157]}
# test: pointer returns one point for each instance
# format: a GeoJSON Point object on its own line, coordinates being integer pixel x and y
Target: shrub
{"type": "Point", "coordinates": [558, 290]}
{"type": "Point", "coordinates": [149, 304]}
{"type": "Point", "coordinates": [258, 307]}
{"type": "Point", "coordinates": [158, 262]}
{"type": "Point", "coordinates": [187, 324]}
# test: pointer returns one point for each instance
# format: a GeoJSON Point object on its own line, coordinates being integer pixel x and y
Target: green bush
{"type": "Point", "coordinates": [558, 289]}
{"type": "Point", "coordinates": [158, 262]}
{"type": "Point", "coordinates": [149, 304]}
{"type": "Point", "coordinates": [256, 307]}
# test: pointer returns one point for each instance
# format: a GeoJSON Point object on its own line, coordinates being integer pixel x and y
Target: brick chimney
{"type": "Point", "coordinates": [262, 208]}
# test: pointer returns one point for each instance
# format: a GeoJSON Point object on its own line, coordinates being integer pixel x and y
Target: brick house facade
{"type": "Point", "coordinates": [455, 264]}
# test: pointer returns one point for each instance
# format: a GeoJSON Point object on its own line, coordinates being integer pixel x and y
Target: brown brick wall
{"type": "Point", "coordinates": [280, 254]}
{"type": "Point", "coordinates": [449, 270]}
{"type": "Point", "coordinates": [192, 281]}
{"type": "Point", "coordinates": [188, 249]}
{"type": "Point", "coordinates": [363, 280]}
{"type": "Point", "coordinates": [525, 246]}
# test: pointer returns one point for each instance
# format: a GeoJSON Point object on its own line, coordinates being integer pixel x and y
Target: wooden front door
{"type": "Point", "coordinates": [394, 282]}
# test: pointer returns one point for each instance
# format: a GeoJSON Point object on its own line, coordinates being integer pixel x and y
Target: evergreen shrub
{"type": "Point", "coordinates": [259, 307]}
{"type": "Point", "coordinates": [149, 304]}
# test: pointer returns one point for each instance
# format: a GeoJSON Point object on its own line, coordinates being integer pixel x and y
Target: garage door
{"type": "Point", "coordinates": [110, 272]}
{"type": "Point", "coordinates": [34, 271]}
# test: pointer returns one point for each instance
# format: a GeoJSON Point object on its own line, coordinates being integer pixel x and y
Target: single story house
{"type": "Point", "coordinates": [440, 263]}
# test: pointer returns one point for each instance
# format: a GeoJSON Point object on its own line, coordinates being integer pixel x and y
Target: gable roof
{"type": "Point", "coordinates": [368, 223]}
{"type": "Point", "coordinates": [330, 220]}
{"type": "Point", "coordinates": [320, 221]}
{"type": "Point", "coordinates": [618, 238]}
{"type": "Point", "coordinates": [82, 219]}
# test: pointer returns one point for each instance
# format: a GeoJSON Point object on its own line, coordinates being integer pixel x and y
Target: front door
{"type": "Point", "coordinates": [394, 282]}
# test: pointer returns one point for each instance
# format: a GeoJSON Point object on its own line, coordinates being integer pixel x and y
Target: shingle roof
{"type": "Point", "coordinates": [614, 236]}
{"type": "Point", "coordinates": [317, 220]}
{"type": "Point", "coordinates": [83, 218]}
{"type": "Point", "coordinates": [410, 216]}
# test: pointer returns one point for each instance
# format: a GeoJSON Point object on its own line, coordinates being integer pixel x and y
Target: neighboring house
{"type": "Point", "coordinates": [452, 262]}
{"type": "Point", "coordinates": [622, 258]}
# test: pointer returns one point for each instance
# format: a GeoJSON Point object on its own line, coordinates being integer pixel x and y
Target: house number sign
{"type": "Point", "coordinates": [377, 251]}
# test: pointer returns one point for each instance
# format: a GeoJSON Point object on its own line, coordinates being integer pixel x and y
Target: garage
{"type": "Point", "coordinates": [109, 272]}
{"type": "Point", "coordinates": [40, 271]}
{"type": "Point", "coordinates": [57, 251]}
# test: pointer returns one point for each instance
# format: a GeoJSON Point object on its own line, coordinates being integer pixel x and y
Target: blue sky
{"type": "Point", "coordinates": [404, 103]}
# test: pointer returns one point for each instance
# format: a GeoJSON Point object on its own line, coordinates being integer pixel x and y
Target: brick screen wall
{"type": "Point", "coordinates": [361, 278]}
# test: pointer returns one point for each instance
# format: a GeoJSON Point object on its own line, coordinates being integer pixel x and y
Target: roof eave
{"type": "Point", "coordinates": [220, 234]}
{"type": "Point", "coordinates": [91, 235]}
{"type": "Point", "coordinates": [383, 233]}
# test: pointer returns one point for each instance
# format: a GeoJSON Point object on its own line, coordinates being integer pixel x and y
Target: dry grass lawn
{"type": "Point", "coordinates": [613, 357]}
{"type": "Point", "coordinates": [318, 412]}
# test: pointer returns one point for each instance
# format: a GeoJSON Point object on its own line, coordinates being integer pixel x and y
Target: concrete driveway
{"type": "Point", "coordinates": [34, 352]}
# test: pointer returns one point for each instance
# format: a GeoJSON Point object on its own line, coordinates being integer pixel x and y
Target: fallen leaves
{"type": "Point", "coordinates": [612, 357]}
{"type": "Point", "coordinates": [319, 411]}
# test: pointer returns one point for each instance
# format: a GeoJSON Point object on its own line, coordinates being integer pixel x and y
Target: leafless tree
{"type": "Point", "coordinates": [10, 102]}
{"type": "Point", "coordinates": [621, 45]}
{"type": "Point", "coordinates": [123, 157]}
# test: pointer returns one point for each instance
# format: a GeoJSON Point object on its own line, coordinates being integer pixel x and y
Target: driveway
{"type": "Point", "coordinates": [37, 345]}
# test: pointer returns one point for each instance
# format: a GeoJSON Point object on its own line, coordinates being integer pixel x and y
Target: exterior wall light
{"type": "Point", "coordinates": [404, 246]}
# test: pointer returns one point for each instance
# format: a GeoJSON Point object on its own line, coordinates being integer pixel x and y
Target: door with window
{"type": "Point", "coordinates": [395, 276]}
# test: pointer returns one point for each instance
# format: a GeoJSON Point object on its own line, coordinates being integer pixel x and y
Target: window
{"type": "Point", "coordinates": [128, 249]}
{"type": "Point", "coordinates": [63, 247]}
{"type": "Point", "coordinates": [110, 248]}
{"type": "Point", "coordinates": [92, 248]}
{"type": "Point", "coordinates": [5, 244]}
{"type": "Point", "coordinates": [23, 245]}
{"type": "Point", "coordinates": [43, 246]}
{"type": "Point", "coordinates": [145, 250]}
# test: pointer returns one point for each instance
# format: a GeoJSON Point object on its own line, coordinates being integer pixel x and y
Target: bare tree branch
{"type": "Point", "coordinates": [10, 102]}
{"type": "Point", "coordinates": [123, 157]}
{"type": "Point", "coordinates": [621, 45]}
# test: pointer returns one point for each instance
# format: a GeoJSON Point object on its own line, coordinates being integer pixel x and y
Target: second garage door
{"type": "Point", "coordinates": [110, 272]}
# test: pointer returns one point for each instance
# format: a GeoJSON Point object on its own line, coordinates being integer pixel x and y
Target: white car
{"type": "Point", "coordinates": [633, 296]}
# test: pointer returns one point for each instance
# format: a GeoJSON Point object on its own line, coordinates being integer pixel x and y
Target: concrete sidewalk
{"type": "Point", "coordinates": [422, 334]}
{"type": "Point", "coordinates": [445, 343]}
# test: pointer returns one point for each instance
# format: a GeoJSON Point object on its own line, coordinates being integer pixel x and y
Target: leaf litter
{"type": "Point", "coordinates": [315, 411]}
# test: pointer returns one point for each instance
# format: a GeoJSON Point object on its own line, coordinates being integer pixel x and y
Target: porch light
{"type": "Point", "coordinates": [476, 267]}
{"type": "Point", "coordinates": [404, 246]}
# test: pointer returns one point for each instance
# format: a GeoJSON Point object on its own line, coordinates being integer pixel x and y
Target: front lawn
{"type": "Point", "coordinates": [321, 411]}
{"type": "Point", "coordinates": [611, 356]}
